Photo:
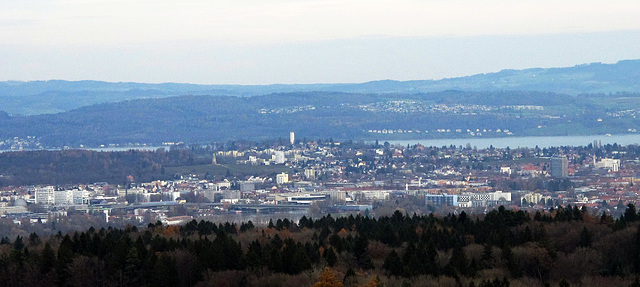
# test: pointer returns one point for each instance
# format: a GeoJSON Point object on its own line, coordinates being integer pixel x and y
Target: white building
{"type": "Point", "coordinates": [505, 170]}
{"type": "Point", "coordinates": [500, 196]}
{"type": "Point", "coordinates": [533, 197]}
{"type": "Point", "coordinates": [278, 157]}
{"type": "Point", "coordinates": [282, 178]}
{"type": "Point", "coordinates": [226, 184]}
{"type": "Point", "coordinates": [80, 197]}
{"type": "Point", "coordinates": [63, 197]}
{"type": "Point", "coordinates": [612, 165]}
{"type": "Point", "coordinates": [439, 200]}
{"type": "Point", "coordinates": [71, 197]}
{"type": "Point", "coordinates": [376, 194]}
{"type": "Point", "coordinates": [484, 199]}
{"type": "Point", "coordinates": [306, 198]}
{"type": "Point", "coordinates": [45, 195]}
{"type": "Point", "coordinates": [292, 137]}
{"type": "Point", "coordinates": [336, 195]}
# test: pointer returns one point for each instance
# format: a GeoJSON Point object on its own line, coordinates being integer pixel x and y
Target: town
{"type": "Point", "coordinates": [294, 178]}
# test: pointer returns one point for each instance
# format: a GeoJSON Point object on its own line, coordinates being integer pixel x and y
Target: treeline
{"type": "Point", "coordinates": [566, 246]}
{"type": "Point", "coordinates": [83, 166]}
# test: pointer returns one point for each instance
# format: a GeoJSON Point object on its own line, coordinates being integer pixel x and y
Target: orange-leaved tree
{"type": "Point", "coordinates": [374, 282]}
{"type": "Point", "coordinates": [328, 279]}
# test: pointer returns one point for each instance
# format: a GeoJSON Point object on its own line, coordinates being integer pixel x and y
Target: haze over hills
{"type": "Point", "coordinates": [581, 100]}
{"type": "Point", "coordinates": [43, 97]}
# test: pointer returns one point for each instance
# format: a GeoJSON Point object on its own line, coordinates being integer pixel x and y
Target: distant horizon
{"type": "Point", "coordinates": [323, 83]}
{"type": "Point", "coordinates": [260, 42]}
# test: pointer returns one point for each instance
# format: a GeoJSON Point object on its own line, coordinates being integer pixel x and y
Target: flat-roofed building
{"type": "Point", "coordinates": [559, 167]}
{"type": "Point", "coordinates": [45, 195]}
{"type": "Point", "coordinates": [439, 200]}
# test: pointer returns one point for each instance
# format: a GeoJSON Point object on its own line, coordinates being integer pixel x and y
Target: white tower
{"type": "Point", "coordinates": [292, 137]}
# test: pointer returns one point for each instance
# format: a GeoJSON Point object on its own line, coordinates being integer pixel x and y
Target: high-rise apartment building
{"type": "Point", "coordinates": [559, 166]}
{"type": "Point", "coordinates": [45, 195]}
{"type": "Point", "coordinates": [279, 157]}
{"type": "Point", "coordinates": [282, 178]}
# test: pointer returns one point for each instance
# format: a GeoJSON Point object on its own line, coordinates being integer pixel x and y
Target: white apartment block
{"type": "Point", "coordinates": [71, 197]}
{"type": "Point", "coordinates": [49, 196]}
{"type": "Point", "coordinates": [376, 194]}
{"type": "Point", "coordinates": [533, 197]}
{"type": "Point", "coordinates": [45, 195]}
{"type": "Point", "coordinates": [63, 197]}
{"type": "Point", "coordinates": [282, 178]}
{"type": "Point", "coordinates": [336, 195]}
{"type": "Point", "coordinates": [279, 157]}
{"type": "Point", "coordinates": [483, 199]}
{"type": "Point", "coordinates": [80, 197]}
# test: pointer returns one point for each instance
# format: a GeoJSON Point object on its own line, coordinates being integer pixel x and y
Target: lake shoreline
{"type": "Point", "coordinates": [525, 141]}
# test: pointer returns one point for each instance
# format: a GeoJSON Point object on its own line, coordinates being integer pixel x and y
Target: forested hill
{"type": "Point", "coordinates": [567, 246]}
{"type": "Point", "coordinates": [39, 97]}
{"type": "Point", "coordinates": [329, 114]}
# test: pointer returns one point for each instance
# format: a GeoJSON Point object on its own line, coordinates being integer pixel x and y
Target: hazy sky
{"type": "Point", "coordinates": [306, 41]}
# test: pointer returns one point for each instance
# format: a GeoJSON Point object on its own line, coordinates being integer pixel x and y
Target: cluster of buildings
{"type": "Point", "coordinates": [468, 199]}
{"type": "Point", "coordinates": [476, 132]}
{"type": "Point", "coordinates": [18, 143]}
{"type": "Point", "coordinates": [48, 195]}
{"type": "Point", "coordinates": [357, 176]}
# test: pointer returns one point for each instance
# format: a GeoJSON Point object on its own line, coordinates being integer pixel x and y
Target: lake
{"type": "Point", "coordinates": [514, 142]}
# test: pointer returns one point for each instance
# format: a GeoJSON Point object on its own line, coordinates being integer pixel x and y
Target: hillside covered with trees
{"type": "Point", "coordinates": [451, 114]}
{"type": "Point", "coordinates": [84, 166]}
{"type": "Point", "coordinates": [566, 246]}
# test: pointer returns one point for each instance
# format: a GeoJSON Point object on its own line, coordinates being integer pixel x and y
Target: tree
{"type": "Point", "coordinates": [18, 244]}
{"type": "Point", "coordinates": [350, 278]}
{"type": "Point", "coordinates": [507, 258]}
{"type": "Point", "coordinates": [34, 239]}
{"type": "Point", "coordinates": [585, 238]}
{"type": "Point", "coordinates": [47, 259]}
{"type": "Point", "coordinates": [636, 263]}
{"type": "Point", "coordinates": [331, 257]}
{"type": "Point", "coordinates": [360, 251]}
{"type": "Point", "coordinates": [328, 279]}
{"type": "Point", "coordinates": [254, 255]}
{"type": "Point", "coordinates": [393, 264]}
{"type": "Point", "coordinates": [458, 261]}
{"type": "Point", "coordinates": [487, 254]}
{"type": "Point", "coordinates": [374, 282]}
{"type": "Point", "coordinates": [86, 271]}
{"type": "Point", "coordinates": [630, 214]}
{"type": "Point", "coordinates": [132, 266]}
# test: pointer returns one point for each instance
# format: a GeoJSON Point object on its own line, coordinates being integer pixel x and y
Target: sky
{"type": "Point", "coordinates": [306, 41]}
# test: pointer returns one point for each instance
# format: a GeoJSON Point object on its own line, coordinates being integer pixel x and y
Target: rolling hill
{"type": "Point", "coordinates": [450, 114]}
{"type": "Point", "coordinates": [55, 96]}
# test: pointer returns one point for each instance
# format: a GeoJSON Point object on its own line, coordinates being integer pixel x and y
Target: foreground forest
{"type": "Point", "coordinates": [566, 246]}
